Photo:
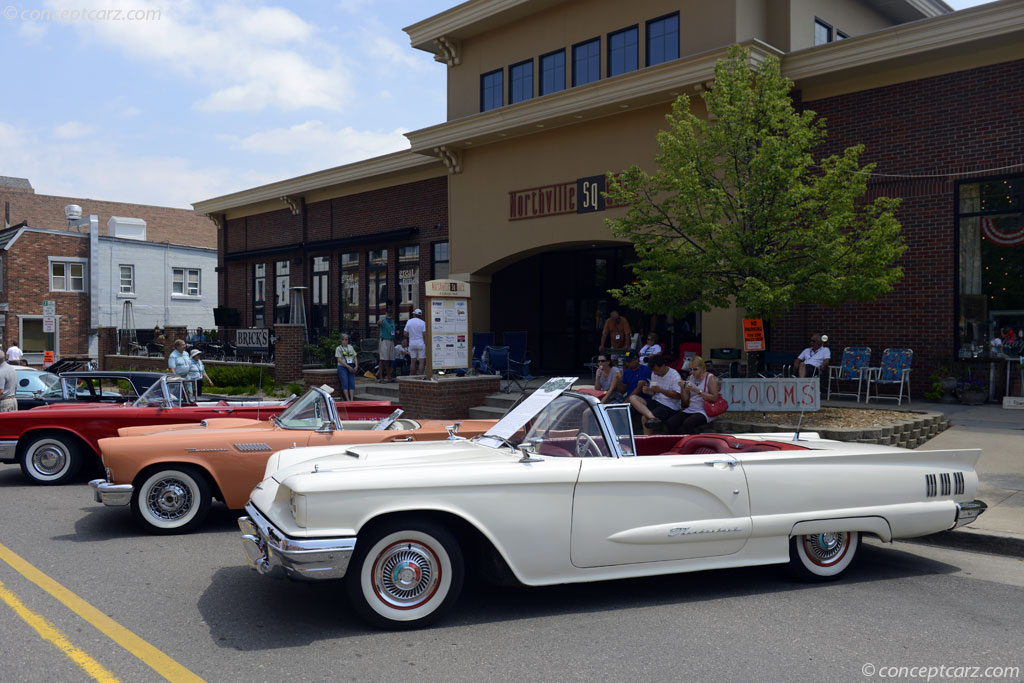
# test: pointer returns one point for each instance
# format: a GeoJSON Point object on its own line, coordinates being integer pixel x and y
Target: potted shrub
{"type": "Point", "coordinates": [973, 391]}
{"type": "Point", "coordinates": [943, 385]}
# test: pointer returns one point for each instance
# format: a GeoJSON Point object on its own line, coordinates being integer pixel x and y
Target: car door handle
{"type": "Point", "coordinates": [731, 462]}
{"type": "Point", "coordinates": [227, 411]}
{"type": "Point", "coordinates": [401, 438]}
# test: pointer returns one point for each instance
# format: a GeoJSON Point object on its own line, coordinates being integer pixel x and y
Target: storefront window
{"type": "Point", "coordinates": [349, 290]}
{"type": "Point", "coordinates": [282, 281]}
{"type": "Point", "coordinates": [377, 287]}
{"type": "Point", "coordinates": [440, 261]}
{"type": "Point", "coordinates": [318, 294]}
{"type": "Point", "coordinates": [408, 280]}
{"type": "Point", "coordinates": [991, 254]}
{"type": "Point", "coordinates": [259, 295]}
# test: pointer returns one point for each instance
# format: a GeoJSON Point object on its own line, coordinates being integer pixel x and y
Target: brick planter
{"type": "Point", "coordinates": [446, 397]}
{"type": "Point", "coordinates": [319, 376]}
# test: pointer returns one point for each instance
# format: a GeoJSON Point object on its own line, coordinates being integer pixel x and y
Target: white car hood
{"type": "Point", "coordinates": [286, 463]}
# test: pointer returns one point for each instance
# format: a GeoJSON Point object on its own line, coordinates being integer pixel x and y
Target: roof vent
{"type": "Point", "coordinates": [72, 212]}
{"type": "Point", "coordinates": [127, 228]}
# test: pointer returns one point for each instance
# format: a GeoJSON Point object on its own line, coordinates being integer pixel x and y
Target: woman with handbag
{"type": "Point", "coordinates": [699, 393]}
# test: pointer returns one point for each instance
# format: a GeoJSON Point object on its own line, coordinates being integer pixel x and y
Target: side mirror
{"type": "Point", "coordinates": [325, 428]}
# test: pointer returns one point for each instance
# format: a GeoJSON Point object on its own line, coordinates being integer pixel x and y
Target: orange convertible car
{"type": "Point", "coordinates": [170, 474]}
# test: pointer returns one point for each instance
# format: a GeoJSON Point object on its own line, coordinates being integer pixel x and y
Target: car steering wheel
{"type": "Point", "coordinates": [584, 442]}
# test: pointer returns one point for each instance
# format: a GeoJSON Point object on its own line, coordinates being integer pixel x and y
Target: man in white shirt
{"type": "Point", "coordinates": [416, 329]}
{"type": "Point", "coordinates": [815, 355]}
{"type": "Point", "coordinates": [14, 354]}
{"type": "Point", "coordinates": [660, 399]}
{"type": "Point", "coordinates": [8, 387]}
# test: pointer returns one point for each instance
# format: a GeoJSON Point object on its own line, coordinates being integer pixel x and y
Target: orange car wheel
{"type": "Point", "coordinates": [171, 500]}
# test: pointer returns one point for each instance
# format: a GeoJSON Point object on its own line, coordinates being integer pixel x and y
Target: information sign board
{"type": "Point", "coordinates": [253, 338]}
{"type": "Point", "coordinates": [448, 328]}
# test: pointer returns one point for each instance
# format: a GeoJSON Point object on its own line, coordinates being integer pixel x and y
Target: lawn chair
{"type": "Point", "coordinates": [852, 368]}
{"type": "Point", "coordinates": [894, 370]}
{"type": "Point", "coordinates": [481, 340]}
{"type": "Point", "coordinates": [777, 364]}
{"type": "Point", "coordinates": [732, 359]}
{"type": "Point", "coordinates": [368, 355]}
{"type": "Point", "coordinates": [516, 343]}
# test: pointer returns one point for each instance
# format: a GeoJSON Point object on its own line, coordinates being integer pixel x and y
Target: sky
{"type": "Point", "coordinates": [173, 102]}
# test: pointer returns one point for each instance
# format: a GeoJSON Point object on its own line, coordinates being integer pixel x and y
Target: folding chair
{"type": "Point", "coordinates": [777, 364]}
{"type": "Point", "coordinates": [894, 370]}
{"type": "Point", "coordinates": [731, 356]}
{"type": "Point", "coordinates": [481, 340]}
{"type": "Point", "coordinates": [518, 365]}
{"type": "Point", "coordinates": [852, 368]}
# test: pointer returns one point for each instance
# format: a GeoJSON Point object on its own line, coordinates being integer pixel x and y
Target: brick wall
{"type": "Point", "coordinates": [966, 123]}
{"type": "Point", "coordinates": [422, 205]}
{"type": "Point", "coordinates": [26, 283]}
{"type": "Point", "coordinates": [163, 224]}
{"type": "Point", "coordinates": [446, 397]}
{"type": "Point", "coordinates": [288, 353]}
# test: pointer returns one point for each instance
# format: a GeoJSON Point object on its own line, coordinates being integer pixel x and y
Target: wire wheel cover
{"type": "Point", "coordinates": [826, 549]}
{"type": "Point", "coordinates": [169, 499]}
{"type": "Point", "coordinates": [406, 574]}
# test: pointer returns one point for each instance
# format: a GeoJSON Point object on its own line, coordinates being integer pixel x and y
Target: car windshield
{"type": "Point", "coordinates": [179, 392]}
{"type": "Point", "coordinates": [568, 426]}
{"type": "Point", "coordinates": [309, 411]}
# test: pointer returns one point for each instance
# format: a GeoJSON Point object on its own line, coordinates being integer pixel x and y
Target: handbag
{"type": "Point", "coordinates": [715, 408]}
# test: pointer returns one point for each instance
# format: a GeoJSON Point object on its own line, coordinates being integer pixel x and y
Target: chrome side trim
{"type": "Point", "coordinates": [270, 552]}
{"type": "Point", "coordinates": [7, 449]}
{"type": "Point", "coordinates": [968, 512]}
{"type": "Point", "coordinates": [929, 483]}
{"type": "Point", "coordinates": [958, 483]}
{"type": "Point", "coordinates": [111, 495]}
{"type": "Point", "coordinates": [944, 478]}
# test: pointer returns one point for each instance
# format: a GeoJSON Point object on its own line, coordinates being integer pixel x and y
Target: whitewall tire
{"type": "Point", "coordinates": [171, 500]}
{"type": "Point", "coordinates": [823, 557]}
{"type": "Point", "coordinates": [405, 574]}
{"type": "Point", "coordinates": [51, 459]}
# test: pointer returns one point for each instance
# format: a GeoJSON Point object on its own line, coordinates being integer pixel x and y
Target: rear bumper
{"type": "Point", "coordinates": [113, 495]}
{"type": "Point", "coordinates": [8, 449]}
{"type": "Point", "coordinates": [968, 512]}
{"type": "Point", "coordinates": [273, 554]}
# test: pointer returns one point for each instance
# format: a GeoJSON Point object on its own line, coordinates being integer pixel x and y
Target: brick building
{"type": "Point", "coordinates": [90, 271]}
{"type": "Point", "coordinates": [355, 237]}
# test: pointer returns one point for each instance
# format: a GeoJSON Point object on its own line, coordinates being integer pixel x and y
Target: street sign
{"type": "Point", "coordinates": [50, 308]}
{"type": "Point", "coordinates": [47, 358]}
{"type": "Point", "coordinates": [49, 324]}
{"type": "Point", "coordinates": [753, 335]}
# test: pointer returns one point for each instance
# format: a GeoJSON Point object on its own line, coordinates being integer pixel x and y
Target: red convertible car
{"type": "Point", "coordinates": [52, 443]}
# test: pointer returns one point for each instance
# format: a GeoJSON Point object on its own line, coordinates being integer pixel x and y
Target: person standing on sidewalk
{"type": "Point", "coordinates": [8, 387]}
{"type": "Point", "coordinates": [387, 347]}
{"type": "Point", "coordinates": [348, 366]}
{"type": "Point", "coordinates": [416, 329]}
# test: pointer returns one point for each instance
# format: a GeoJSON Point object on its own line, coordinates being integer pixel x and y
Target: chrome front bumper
{"type": "Point", "coordinates": [272, 553]}
{"type": "Point", "coordinates": [968, 512]}
{"type": "Point", "coordinates": [8, 450]}
{"type": "Point", "coordinates": [114, 495]}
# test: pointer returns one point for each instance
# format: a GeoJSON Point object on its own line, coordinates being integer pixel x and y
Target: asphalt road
{"type": "Point", "coordinates": [191, 602]}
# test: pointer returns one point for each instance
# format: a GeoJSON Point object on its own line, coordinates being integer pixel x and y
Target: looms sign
{"type": "Point", "coordinates": [583, 195]}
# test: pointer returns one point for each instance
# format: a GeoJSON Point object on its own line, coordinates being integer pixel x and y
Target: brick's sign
{"type": "Point", "coordinates": [252, 338]}
{"type": "Point", "coordinates": [583, 195]}
{"type": "Point", "coordinates": [772, 395]}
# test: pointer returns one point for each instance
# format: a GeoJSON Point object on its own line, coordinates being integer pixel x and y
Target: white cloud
{"type": "Point", "coordinates": [73, 129]}
{"type": "Point", "coordinates": [252, 58]}
{"type": "Point", "coordinates": [385, 48]}
{"type": "Point", "coordinates": [313, 145]}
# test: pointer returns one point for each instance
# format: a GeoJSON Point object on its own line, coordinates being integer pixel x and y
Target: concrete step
{"type": "Point", "coordinates": [378, 392]}
{"type": "Point", "coordinates": [503, 401]}
{"type": "Point", "coordinates": [486, 413]}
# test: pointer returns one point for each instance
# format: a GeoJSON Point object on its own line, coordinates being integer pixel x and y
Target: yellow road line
{"type": "Point", "coordinates": [51, 633]}
{"type": "Point", "coordinates": [149, 655]}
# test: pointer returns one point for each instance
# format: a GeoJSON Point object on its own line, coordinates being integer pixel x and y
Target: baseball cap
{"type": "Point", "coordinates": [630, 355]}
{"type": "Point", "coordinates": [418, 311]}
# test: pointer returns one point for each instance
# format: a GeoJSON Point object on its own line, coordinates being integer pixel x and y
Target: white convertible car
{"type": "Point", "coordinates": [561, 490]}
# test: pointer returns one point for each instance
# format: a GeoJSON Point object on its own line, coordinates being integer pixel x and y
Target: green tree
{"type": "Point", "coordinates": [740, 212]}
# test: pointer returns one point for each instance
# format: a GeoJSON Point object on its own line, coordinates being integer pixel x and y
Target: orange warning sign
{"type": "Point", "coordinates": [753, 335]}
{"type": "Point", "coordinates": [47, 358]}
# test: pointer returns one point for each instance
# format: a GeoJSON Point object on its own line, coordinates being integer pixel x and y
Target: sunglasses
{"type": "Point", "coordinates": [602, 360]}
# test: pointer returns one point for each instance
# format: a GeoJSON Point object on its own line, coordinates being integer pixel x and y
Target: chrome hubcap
{"type": "Point", "coordinates": [406, 574]}
{"type": "Point", "coordinates": [169, 499]}
{"type": "Point", "coordinates": [825, 548]}
{"type": "Point", "coordinates": [49, 459]}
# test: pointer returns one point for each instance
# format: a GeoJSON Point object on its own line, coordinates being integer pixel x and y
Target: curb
{"type": "Point", "coordinates": [973, 541]}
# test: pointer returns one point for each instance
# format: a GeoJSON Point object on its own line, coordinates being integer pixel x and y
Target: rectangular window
{"type": "Point", "coordinates": [377, 287]}
{"type": "Point", "coordinates": [260, 282]}
{"type": "Point", "coordinates": [822, 32]}
{"type": "Point", "coordinates": [552, 72]}
{"type": "Point", "coordinates": [991, 259]}
{"type": "Point", "coordinates": [185, 281]}
{"type": "Point", "coordinates": [318, 296]}
{"type": "Point", "coordinates": [586, 62]}
{"type": "Point", "coordinates": [349, 289]}
{"type": "Point", "coordinates": [67, 276]}
{"type": "Point", "coordinates": [520, 82]}
{"type": "Point", "coordinates": [439, 262]}
{"type": "Point", "coordinates": [491, 90]}
{"type": "Point", "coordinates": [662, 39]}
{"type": "Point", "coordinates": [840, 35]}
{"type": "Point", "coordinates": [623, 51]}
{"type": "Point", "coordinates": [282, 281]}
{"type": "Point", "coordinates": [127, 280]}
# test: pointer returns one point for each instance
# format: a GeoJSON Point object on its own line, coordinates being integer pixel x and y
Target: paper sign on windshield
{"type": "Point", "coordinates": [521, 414]}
